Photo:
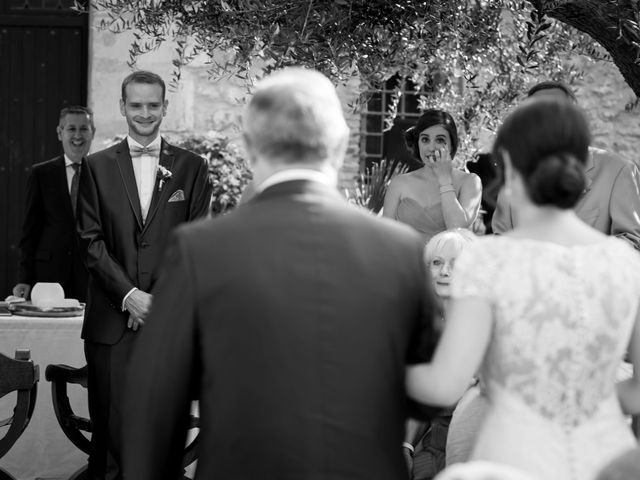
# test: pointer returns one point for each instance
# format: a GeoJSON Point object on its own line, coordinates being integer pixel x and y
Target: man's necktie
{"type": "Point", "coordinates": [74, 186]}
{"type": "Point", "coordinates": [136, 151]}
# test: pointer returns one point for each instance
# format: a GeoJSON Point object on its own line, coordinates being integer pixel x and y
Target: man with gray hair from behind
{"type": "Point", "coordinates": [290, 319]}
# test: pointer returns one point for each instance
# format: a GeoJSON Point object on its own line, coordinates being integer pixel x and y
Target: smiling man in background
{"type": "Point", "coordinates": [49, 244]}
{"type": "Point", "coordinates": [131, 197]}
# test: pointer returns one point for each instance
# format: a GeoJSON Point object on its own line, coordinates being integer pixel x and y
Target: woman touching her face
{"type": "Point", "coordinates": [437, 196]}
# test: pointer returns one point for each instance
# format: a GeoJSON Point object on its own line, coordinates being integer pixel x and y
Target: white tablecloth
{"type": "Point", "coordinates": [43, 450]}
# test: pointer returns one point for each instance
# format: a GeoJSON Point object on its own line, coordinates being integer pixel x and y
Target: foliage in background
{"type": "Point", "coordinates": [478, 78]}
{"type": "Point", "coordinates": [474, 58]}
{"type": "Point", "coordinates": [228, 171]}
{"type": "Point", "coordinates": [369, 38]}
{"type": "Point", "coordinates": [370, 187]}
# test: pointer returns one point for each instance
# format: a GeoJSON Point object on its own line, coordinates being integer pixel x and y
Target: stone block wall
{"type": "Point", "coordinates": [603, 94]}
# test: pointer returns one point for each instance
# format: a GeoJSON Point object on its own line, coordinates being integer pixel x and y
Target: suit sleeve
{"type": "Point", "coordinates": [31, 229]}
{"type": "Point", "coordinates": [101, 264]}
{"type": "Point", "coordinates": [164, 369]}
{"type": "Point", "coordinates": [624, 207]}
{"type": "Point", "coordinates": [502, 221]}
{"type": "Point", "coordinates": [201, 198]}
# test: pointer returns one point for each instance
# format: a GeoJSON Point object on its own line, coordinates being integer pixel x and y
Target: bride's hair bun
{"type": "Point", "coordinates": [558, 180]}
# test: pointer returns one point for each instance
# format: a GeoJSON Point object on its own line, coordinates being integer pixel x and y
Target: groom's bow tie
{"type": "Point", "coordinates": [136, 151]}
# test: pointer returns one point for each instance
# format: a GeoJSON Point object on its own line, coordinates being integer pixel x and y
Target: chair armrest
{"type": "Point", "coordinates": [67, 374]}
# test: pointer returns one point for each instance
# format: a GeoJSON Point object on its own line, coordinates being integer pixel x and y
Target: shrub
{"type": "Point", "coordinates": [370, 187]}
{"type": "Point", "coordinates": [228, 171]}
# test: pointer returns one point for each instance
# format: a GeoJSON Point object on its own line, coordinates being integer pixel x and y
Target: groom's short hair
{"type": "Point", "coordinates": [295, 116]}
{"type": "Point", "coordinates": [142, 76]}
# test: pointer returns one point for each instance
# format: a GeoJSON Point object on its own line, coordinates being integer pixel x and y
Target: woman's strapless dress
{"type": "Point", "coordinates": [427, 221]}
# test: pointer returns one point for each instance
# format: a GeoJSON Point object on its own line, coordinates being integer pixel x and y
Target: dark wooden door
{"type": "Point", "coordinates": [43, 67]}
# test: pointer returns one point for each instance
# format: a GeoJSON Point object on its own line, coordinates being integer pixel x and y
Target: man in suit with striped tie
{"type": "Point", "coordinates": [131, 197]}
{"type": "Point", "coordinates": [49, 245]}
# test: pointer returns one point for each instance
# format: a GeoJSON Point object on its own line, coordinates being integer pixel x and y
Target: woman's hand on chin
{"type": "Point", "coordinates": [442, 166]}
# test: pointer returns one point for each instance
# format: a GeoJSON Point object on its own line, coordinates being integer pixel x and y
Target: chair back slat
{"type": "Point", "coordinates": [21, 375]}
{"type": "Point", "coordinates": [17, 374]}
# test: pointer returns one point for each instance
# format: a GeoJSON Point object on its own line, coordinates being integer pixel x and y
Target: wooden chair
{"type": "Point", "coordinates": [21, 375]}
{"type": "Point", "coordinates": [76, 428]}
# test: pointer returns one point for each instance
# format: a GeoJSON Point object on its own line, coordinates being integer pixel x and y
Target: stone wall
{"type": "Point", "coordinates": [603, 94]}
{"type": "Point", "coordinates": [199, 104]}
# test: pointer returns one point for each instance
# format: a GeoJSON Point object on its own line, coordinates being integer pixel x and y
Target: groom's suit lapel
{"type": "Point", "coordinates": [123, 159]}
{"type": "Point", "coordinates": [590, 171]}
{"type": "Point", "coordinates": [159, 197]}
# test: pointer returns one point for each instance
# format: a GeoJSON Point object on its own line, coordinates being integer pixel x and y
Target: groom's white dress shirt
{"type": "Point", "coordinates": [144, 168]}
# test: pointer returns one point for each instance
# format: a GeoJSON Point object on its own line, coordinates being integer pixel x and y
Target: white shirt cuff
{"type": "Point", "coordinates": [127, 296]}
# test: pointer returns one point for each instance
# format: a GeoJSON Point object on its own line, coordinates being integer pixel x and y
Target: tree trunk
{"type": "Point", "coordinates": [601, 20]}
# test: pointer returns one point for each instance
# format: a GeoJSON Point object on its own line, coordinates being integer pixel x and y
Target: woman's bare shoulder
{"type": "Point", "coordinates": [460, 177]}
{"type": "Point", "coordinates": [409, 177]}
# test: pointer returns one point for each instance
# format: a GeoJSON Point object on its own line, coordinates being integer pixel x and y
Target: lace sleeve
{"type": "Point", "coordinates": [473, 274]}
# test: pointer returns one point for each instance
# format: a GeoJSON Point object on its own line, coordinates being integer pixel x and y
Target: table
{"type": "Point", "coordinates": [43, 450]}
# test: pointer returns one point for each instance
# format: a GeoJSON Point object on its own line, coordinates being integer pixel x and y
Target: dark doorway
{"type": "Point", "coordinates": [44, 60]}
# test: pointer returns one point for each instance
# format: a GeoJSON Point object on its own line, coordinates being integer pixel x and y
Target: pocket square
{"type": "Point", "coordinates": [177, 196]}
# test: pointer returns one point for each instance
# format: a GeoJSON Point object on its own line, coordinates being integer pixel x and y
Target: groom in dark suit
{"type": "Point", "coordinates": [131, 196]}
{"type": "Point", "coordinates": [49, 243]}
{"type": "Point", "coordinates": [291, 318]}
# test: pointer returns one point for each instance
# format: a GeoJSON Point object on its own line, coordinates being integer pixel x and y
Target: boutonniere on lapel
{"type": "Point", "coordinates": [164, 175]}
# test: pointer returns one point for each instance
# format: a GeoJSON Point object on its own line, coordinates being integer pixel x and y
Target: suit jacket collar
{"type": "Point", "coordinates": [61, 180]}
{"type": "Point", "coordinates": [290, 174]}
{"type": "Point", "coordinates": [167, 158]}
{"type": "Point", "coordinates": [297, 187]}
{"type": "Point", "coordinates": [123, 159]}
{"type": "Point", "coordinates": [156, 141]}
{"type": "Point", "coordinates": [589, 170]}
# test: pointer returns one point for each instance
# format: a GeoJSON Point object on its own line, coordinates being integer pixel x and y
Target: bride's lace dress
{"type": "Point", "coordinates": [563, 317]}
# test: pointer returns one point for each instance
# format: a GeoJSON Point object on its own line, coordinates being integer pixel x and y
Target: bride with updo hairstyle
{"type": "Point", "coordinates": [544, 313]}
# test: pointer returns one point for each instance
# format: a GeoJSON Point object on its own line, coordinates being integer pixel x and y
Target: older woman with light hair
{"type": "Point", "coordinates": [440, 255]}
{"type": "Point", "coordinates": [429, 440]}
{"type": "Point", "coordinates": [465, 421]}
